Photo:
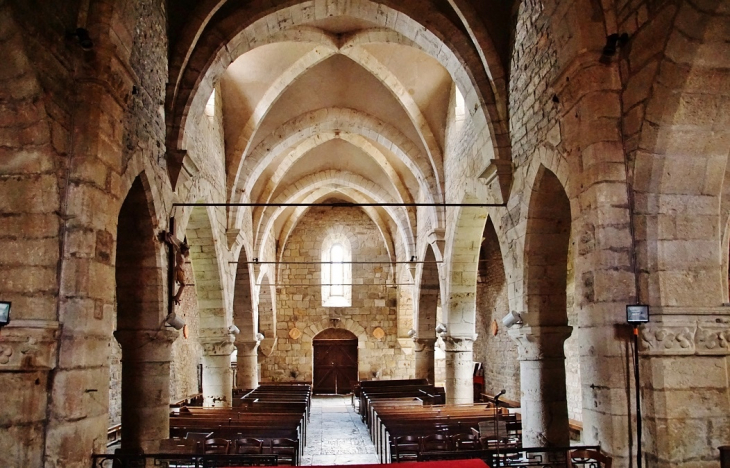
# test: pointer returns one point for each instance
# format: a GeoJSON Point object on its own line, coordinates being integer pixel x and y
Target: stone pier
{"type": "Point", "coordinates": [247, 364]}
{"type": "Point", "coordinates": [542, 378]}
{"type": "Point", "coordinates": [424, 354]}
{"type": "Point", "coordinates": [217, 372]}
{"type": "Point", "coordinates": [459, 370]}
{"type": "Point", "coordinates": [146, 358]}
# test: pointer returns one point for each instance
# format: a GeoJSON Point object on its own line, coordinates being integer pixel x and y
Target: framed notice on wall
{"type": "Point", "coordinates": [637, 313]}
{"type": "Point", "coordinates": [4, 313]}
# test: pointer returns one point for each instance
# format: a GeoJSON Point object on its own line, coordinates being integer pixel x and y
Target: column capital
{"type": "Point", "coordinates": [679, 331]}
{"type": "Point", "coordinates": [535, 343]}
{"type": "Point", "coordinates": [247, 348]}
{"type": "Point", "coordinates": [146, 345]}
{"type": "Point", "coordinates": [459, 344]}
{"type": "Point", "coordinates": [29, 345]}
{"type": "Point", "coordinates": [217, 345]}
{"type": "Point", "coordinates": [424, 344]}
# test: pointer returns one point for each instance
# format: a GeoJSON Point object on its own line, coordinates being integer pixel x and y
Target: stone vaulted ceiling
{"type": "Point", "coordinates": [335, 107]}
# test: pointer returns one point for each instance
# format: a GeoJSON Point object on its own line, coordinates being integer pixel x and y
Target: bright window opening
{"type": "Point", "coordinates": [210, 106]}
{"type": "Point", "coordinates": [460, 105]}
{"type": "Point", "coordinates": [336, 272]}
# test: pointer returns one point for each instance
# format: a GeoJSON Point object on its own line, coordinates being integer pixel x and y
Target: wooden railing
{"type": "Point", "coordinates": [180, 461]}
{"type": "Point", "coordinates": [542, 457]}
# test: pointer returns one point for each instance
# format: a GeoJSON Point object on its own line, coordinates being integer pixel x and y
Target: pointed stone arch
{"type": "Point", "coordinates": [266, 312]}
{"type": "Point", "coordinates": [497, 352]}
{"type": "Point", "coordinates": [541, 339]}
{"type": "Point", "coordinates": [459, 303]}
{"type": "Point", "coordinates": [305, 192]}
{"type": "Point", "coordinates": [141, 310]}
{"type": "Point", "coordinates": [429, 296]}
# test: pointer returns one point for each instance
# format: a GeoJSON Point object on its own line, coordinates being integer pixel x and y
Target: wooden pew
{"type": "Point", "coordinates": [391, 420]}
{"type": "Point", "coordinates": [269, 413]}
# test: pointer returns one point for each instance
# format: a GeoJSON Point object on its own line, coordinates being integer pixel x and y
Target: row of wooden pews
{"type": "Point", "coordinates": [396, 391]}
{"type": "Point", "coordinates": [408, 417]}
{"type": "Point", "coordinates": [403, 433]}
{"type": "Point", "coordinates": [271, 419]}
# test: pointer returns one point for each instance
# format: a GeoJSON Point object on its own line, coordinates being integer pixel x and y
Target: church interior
{"type": "Point", "coordinates": [204, 197]}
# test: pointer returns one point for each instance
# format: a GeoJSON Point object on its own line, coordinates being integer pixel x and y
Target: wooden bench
{"type": "Point", "coordinates": [272, 414]}
{"type": "Point", "coordinates": [392, 420]}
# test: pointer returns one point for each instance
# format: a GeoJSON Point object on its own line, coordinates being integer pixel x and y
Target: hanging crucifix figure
{"type": "Point", "coordinates": [182, 252]}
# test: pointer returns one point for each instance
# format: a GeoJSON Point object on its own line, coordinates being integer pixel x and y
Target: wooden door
{"type": "Point", "coordinates": [335, 366]}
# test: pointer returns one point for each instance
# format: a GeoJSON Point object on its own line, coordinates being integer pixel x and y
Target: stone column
{"type": "Point", "coordinates": [424, 348]}
{"type": "Point", "coordinates": [459, 370]}
{"type": "Point", "coordinates": [684, 369]}
{"type": "Point", "coordinates": [542, 379]}
{"type": "Point", "coordinates": [248, 365]}
{"type": "Point", "coordinates": [146, 356]}
{"type": "Point", "coordinates": [28, 354]}
{"type": "Point", "coordinates": [217, 372]}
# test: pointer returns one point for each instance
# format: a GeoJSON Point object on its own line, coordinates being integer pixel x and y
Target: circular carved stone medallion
{"type": "Point", "coordinates": [378, 333]}
{"type": "Point", "coordinates": [294, 333]}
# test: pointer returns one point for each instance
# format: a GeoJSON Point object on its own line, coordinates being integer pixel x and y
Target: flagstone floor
{"type": "Point", "coordinates": [336, 435]}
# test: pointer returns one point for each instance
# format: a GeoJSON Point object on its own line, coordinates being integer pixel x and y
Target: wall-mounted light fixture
{"type": "Point", "coordinates": [513, 318]}
{"type": "Point", "coordinates": [613, 42]}
{"type": "Point", "coordinates": [440, 328]}
{"type": "Point", "coordinates": [260, 336]}
{"type": "Point", "coordinates": [411, 333]}
{"type": "Point", "coordinates": [233, 330]}
{"type": "Point", "coordinates": [4, 313]}
{"type": "Point", "coordinates": [174, 321]}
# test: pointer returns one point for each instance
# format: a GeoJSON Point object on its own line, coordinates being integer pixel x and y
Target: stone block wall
{"type": "Point", "coordinates": [300, 306]}
{"type": "Point", "coordinates": [187, 352]}
{"type": "Point", "coordinates": [497, 353]}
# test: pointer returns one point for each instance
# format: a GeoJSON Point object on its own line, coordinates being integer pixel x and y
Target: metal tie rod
{"type": "Point", "coordinates": [347, 204]}
{"type": "Point", "coordinates": [279, 285]}
{"type": "Point", "coordinates": [338, 263]}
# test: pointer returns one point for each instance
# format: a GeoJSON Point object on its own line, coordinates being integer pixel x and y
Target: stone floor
{"type": "Point", "coordinates": [336, 435]}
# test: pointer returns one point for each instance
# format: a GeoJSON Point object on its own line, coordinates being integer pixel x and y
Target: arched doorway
{"type": "Point", "coordinates": [334, 361]}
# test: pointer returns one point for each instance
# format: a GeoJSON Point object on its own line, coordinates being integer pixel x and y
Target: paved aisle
{"type": "Point", "coordinates": [335, 434]}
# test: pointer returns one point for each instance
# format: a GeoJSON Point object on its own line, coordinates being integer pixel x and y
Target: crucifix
{"type": "Point", "coordinates": [181, 253]}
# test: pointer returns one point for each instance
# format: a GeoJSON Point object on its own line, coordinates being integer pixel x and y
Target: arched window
{"type": "Point", "coordinates": [336, 272]}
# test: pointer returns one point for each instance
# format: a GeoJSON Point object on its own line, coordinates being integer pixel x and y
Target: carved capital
{"type": "Point", "coordinates": [424, 344]}
{"type": "Point", "coordinates": [498, 177]}
{"type": "Point", "coordinates": [689, 334]}
{"type": "Point", "coordinates": [458, 344]}
{"type": "Point", "coordinates": [217, 345]}
{"type": "Point", "coordinates": [437, 239]}
{"type": "Point", "coordinates": [247, 348]}
{"type": "Point", "coordinates": [540, 343]}
{"type": "Point", "coordinates": [146, 345]}
{"type": "Point", "coordinates": [28, 345]}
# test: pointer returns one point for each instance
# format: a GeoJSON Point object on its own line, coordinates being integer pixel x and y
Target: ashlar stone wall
{"type": "Point", "coordinates": [300, 306]}
{"type": "Point", "coordinates": [497, 353]}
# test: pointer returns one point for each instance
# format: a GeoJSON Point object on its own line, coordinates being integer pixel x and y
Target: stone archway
{"type": "Point", "coordinates": [542, 359]}
{"type": "Point", "coordinates": [215, 338]}
{"type": "Point", "coordinates": [245, 319]}
{"type": "Point", "coordinates": [428, 302]}
{"type": "Point", "coordinates": [493, 347]}
{"type": "Point", "coordinates": [145, 342]}
{"type": "Point", "coordinates": [334, 361]}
